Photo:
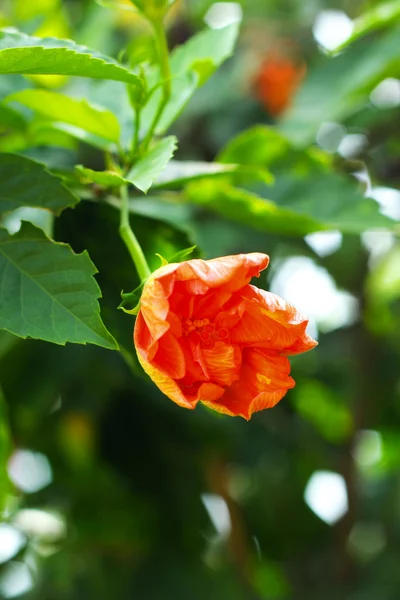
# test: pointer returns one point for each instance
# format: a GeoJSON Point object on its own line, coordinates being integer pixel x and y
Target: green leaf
{"type": "Point", "coordinates": [105, 178]}
{"type": "Point", "coordinates": [334, 201]}
{"type": "Point", "coordinates": [299, 209]}
{"type": "Point", "coordinates": [191, 65]}
{"type": "Point", "coordinates": [178, 173]}
{"type": "Point", "coordinates": [182, 89]}
{"type": "Point", "coordinates": [145, 171]}
{"type": "Point", "coordinates": [183, 255]}
{"type": "Point", "coordinates": [379, 16]}
{"type": "Point", "coordinates": [150, 165]}
{"type": "Point", "coordinates": [5, 451]}
{"type": "Point", "coordinates": [25, 182]}
{"type": "Point", "coordinates": [258, 145]}
{"type": "Point", "coordinates": [131, 300]}
{"type": "Point", "coordinates": [354, 74]}
{"type": "Point", "coordinates": [11, 119]}
{"type": "Point", "coordinates": [49, 292]}
{"type": "Point", "coordinates": [20, 53]}
{"type": "Point", "coordinates": [211, 45]}
{"type": "Point", "coordinates": [250, 209]}
{"type": "Point", "coordinates": [79, 113]}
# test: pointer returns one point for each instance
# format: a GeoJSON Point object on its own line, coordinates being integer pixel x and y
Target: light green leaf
{"type": "Point", "coordinates": [258, 145]}
{"type": "Point", "coordinates": [144, 172]}
{"type": "Point", "coordinates": [178, 173]}
{"type": "Point", "coordinates": [250, 209]}
{"type": "Point", "coordinates": [379, 16]}
{"type": "Point", "coordinates": [182, 89]}
{"type": "Point", "coordinates": [150, 165]}
{"type": "Point", "coordinates": [48, 292]}
{"type": "Point", "coordinates": [303, 205]}
{"type": "Point", "coordinates": [212, 45]}
{"type": "Point", "coordinates": [105, 178]}
{"type": "Point", "coordinates": [354, 74]}
{"type": "Point", "coordinates": [192, 64]}
{"type": "Point", "coordinates": [25, 182]}
{"type": "Point", "coordinates": [79, 113]}
{"type": "Point", "coordinates": [20, 53]}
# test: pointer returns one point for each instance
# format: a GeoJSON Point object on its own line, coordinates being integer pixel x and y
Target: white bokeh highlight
{"type": "Point", "coordinates": [329, 135]}
{"type": "Point", "coordinates": [324, 243]}
{"type": "Point", "coordinates": [11, 542]}
{"type": "Point", "coordinates": [41, 524]}
{"type": "Point", "coordinates": [221, 14]}
{"type": "Point", "coordinates": [388, 200]}
{"type": "Point", "coordinates": [352, 145]}
{"type": "Point", "coordinates": [368, 448]}
{"type": "Point", "coordinates": [29, 471]}
{"type": "Point", "coordinates": [15, 580]}
{"type": "Point", "coordinates": [312, 290]}
{"type": "Point", "coordinates": [218, 512]}
{"type": "Point", "coordinates": [326, 496]}
{"type": "Point", "coordinates": [386, 94]}
{"type": "Point", "coordinates": [331, 28]}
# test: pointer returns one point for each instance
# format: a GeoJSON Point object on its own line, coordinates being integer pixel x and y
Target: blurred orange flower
{"type": "Point", "coordinates": [277, 81]}
{"type": "Point", "coordinates": [204, 334]}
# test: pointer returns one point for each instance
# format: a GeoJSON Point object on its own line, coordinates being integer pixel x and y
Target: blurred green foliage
{"type": "Point", "coordinates": [146, 500]}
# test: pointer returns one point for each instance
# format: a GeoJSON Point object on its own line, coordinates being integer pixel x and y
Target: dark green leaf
{"type": "Point", "coordinates": [49, 292]}
{"type": "Point", "coordinates": [250, 209]}
{"type": "Point", "coordinates": [5, 451]}
{"type": "Point", "coordinates": [25, 182]}
{"type": "Point", "coordinates": [298, 209]}
{"type": "Point", "coordinates": [10, 119]}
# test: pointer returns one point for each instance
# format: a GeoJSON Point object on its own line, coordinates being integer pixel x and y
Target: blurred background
{"type": "Point", "coordinates": [112, 491]}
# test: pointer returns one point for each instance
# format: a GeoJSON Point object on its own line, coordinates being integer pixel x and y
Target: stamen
{"type": "Point", "coordinates": [208, 344]}
{"type": "Point", "coordinates": [223, 333]}
{"type": "Point", "coordinates": [209, 328]}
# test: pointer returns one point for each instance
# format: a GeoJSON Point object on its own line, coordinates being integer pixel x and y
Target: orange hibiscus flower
{"type": "Point", "coordinates": [204, 334]}
{"type": "Point", "coordinates": [277, 82]}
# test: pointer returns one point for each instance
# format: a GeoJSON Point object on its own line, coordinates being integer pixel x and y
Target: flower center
{"type": "Point", "coordinates": [205, 332]}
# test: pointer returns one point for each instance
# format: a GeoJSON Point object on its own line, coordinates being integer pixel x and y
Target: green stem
{"type": "Point", "coordinates": [130, 239]}
{"type": "Point", "coordinates": [136, 132]}
{"type": "Point", "coordinates": [163, 55]}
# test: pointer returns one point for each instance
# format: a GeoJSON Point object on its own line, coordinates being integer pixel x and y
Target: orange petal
{"type": "Point", "coordinates": [143, 339]}
{"type": "Point", "coordinates": [168, 386]}
{"type": "Point", "coordinates": [270, 322]}
{"type": "Point", "coordinates": [171, 388]}
{"type": "Point", "coordinates": [232, 272]}
{"type": "Point", "coordinates": [221, 364]}
{"type": "Point", "coordinates": [154, 307]}
{"type": "Point", "coordinates": [264, 380]}
{"type": "Point", "coordinates": [169, 358]}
